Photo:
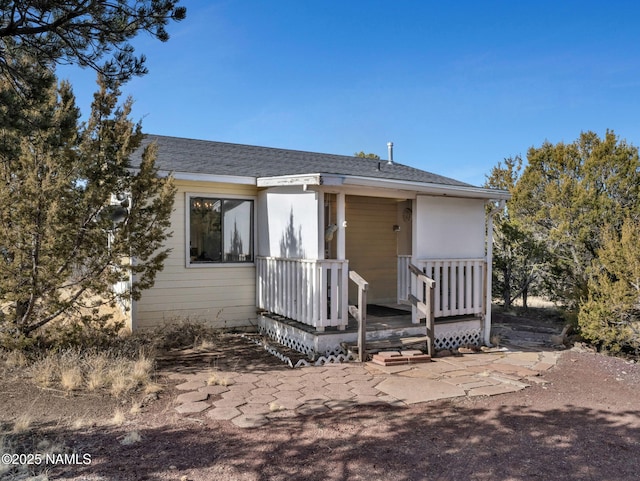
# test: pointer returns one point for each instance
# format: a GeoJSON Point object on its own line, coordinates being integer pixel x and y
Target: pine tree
{"type": "Point", "coordinates": [61, 249]}
{"type": "Point", "coordinates": [518, 257]}
{"type": "Point", "coordinates": [82, 33]}
{"type": "Point", "coordinates": [610, 317]}
{"type": "Point", "coordinates": [566, 194]}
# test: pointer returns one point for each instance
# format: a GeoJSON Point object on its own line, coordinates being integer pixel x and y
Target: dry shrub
{"type": "Point", "coordinates": [45, 371]}
{"type": "Point", "coordinates": [96, 371]}
{"type": "Point", "coordinates": [16, 358]}
{"type": "Point", "coordinates": [183, 333]}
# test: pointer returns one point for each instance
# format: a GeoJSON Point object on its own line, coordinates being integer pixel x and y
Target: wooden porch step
{"type": "Point", "coordinates": [396, 358]}
{"type": "Point", "coordinates": [389, 343]}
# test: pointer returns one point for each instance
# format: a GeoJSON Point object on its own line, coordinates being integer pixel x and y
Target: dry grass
{"type": "Point", "coordinates": [153, 388]}
{"type": "Point", "coordinates": [71, 370]}
{"type": "Point", "coordinates": [119, 380]}
{"type": "Point", "coordinates": [275, 407]}
{"type": "Point", "coordinates": [212, 380]}
{"type": "Point", "coordinates": [71, 378]}
{"type": "Point", "coordinates": [215, 380]}
{"type": "Point", "coordinates": [118, 364]}
{"type": "Point", "coordinates": [142, 369]}
{"type": "Point", "coordinates": [118, 418]}
{"type": "Point", "coordinates": [22, 424]}
{"type": "Point", "coordinates": [45, 371]}
{"type": "Point", "coordinates": [80, 423]}
{"type": "Point", "coordinates": [535, 301]}
{"type": "Point", "coordinates": [136, 407]}
{"type": "Point", "coordinates": [97, 371]}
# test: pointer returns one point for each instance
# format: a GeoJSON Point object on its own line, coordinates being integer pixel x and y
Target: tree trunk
{"type": "Point", "coordinates": [506, 289]}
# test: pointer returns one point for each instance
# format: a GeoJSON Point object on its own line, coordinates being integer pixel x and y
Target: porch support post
{"type": "Point", "coordinates": [489, 273]}
{"type": "Point", "coordinates": [321, 247]}
{"type": "Point", "coordinates": [340, 221]}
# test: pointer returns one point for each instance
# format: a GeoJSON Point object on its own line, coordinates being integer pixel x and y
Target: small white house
{"type": "Point", "coordinates": [266, 237]}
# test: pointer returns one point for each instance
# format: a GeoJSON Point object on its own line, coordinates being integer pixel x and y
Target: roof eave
{"type": "Point", "coordinates": [428, 188]}
{"type": "Point", "coordinates": [198, 177]}
{"type": "Point", "coordinates": [300, 179]}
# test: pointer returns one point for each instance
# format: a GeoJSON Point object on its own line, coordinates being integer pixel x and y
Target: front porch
{"type": "Point", "coordinates": [425, 254]}
{"type": "Point", "coordinates": [303, 304]}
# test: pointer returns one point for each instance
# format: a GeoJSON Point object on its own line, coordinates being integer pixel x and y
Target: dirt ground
{"type": "Point", "coordinates": [584, 424]}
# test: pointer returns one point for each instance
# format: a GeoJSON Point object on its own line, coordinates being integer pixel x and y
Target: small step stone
{"type": "Point", "coordinates": [388, 354]}
{"type": "Point", "coordinates": [411, 352]}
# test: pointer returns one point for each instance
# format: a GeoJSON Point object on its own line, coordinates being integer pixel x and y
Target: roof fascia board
{"type": "Point", "coordinates": [222, 179]}
{"type": "Point", "coordinates": [429, 188]}
{"type": "Point", "coordinates": [301, 179]}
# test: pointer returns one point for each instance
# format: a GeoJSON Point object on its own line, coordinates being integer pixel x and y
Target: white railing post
{"type": "Point", "coordinates": [360, 313]}
{"type": "Point", "coordinates": [404, 279]}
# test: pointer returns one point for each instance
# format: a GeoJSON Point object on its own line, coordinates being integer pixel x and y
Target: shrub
{"type": "Point", "coordinates": [610, 316]}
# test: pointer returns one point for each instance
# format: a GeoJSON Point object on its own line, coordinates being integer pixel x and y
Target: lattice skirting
{"type": "Point", "coordinates": [323, 349]}
{"type": "Point", "coordinates": [455, 339]}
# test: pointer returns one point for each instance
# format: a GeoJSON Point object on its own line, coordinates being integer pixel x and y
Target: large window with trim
{"type": "Point", "coordinates": [220, 230]}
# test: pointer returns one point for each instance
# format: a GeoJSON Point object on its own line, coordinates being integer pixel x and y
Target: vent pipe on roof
{"type": "Point", "coordinates": [390, 147]}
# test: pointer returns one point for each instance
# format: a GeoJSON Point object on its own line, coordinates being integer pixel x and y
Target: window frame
{"type": "Point", "coordinates": [187, 230]}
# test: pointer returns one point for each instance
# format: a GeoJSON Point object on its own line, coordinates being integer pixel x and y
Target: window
{"type": "Point", "coordinates": [220, 230]}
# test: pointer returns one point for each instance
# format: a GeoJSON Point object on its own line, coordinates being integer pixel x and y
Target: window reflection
{"type": "Point", "coordinates": [221, 230]}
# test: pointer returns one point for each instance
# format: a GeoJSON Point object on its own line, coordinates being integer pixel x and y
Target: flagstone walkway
{"type": "Point", "coordinates": [253, 399]}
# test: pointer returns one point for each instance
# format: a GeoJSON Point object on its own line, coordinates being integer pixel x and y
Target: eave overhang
{"type": "Point", "coordinates": [426, 188]}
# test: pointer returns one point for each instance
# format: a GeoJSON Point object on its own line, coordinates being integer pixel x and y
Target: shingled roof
{"type": "Point", "coordinates": [220, 158]}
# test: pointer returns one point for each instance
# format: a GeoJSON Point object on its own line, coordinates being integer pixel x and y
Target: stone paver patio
{"type": "Point", "coordinates": [253, 399]}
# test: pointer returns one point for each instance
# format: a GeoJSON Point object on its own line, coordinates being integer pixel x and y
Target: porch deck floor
{"type": "Point", "coordinates": [395, 321]}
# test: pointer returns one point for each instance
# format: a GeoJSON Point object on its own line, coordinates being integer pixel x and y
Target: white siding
{"type": "Point", "coordinates": [222, 295]}
{"type": "Point", "coordinates": [288, 223]}
{"type": "Point", "coordinates": [448, 228]}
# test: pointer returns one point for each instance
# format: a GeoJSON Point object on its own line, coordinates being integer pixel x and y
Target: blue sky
{"type": "Point", "coordinates": [457, 86]}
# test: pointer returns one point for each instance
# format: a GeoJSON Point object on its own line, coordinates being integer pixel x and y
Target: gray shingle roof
{"type": "Point", "coordinates": [221, 158]}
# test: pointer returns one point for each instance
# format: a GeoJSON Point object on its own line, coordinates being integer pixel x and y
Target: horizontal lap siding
{"type": "Point", "coordinates": [371, 245]}
{"type": "Point", "coordinates": [223, 296]}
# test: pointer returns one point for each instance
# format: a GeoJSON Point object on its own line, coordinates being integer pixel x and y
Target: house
{"type": "Point", "coordinates": [266, 237]}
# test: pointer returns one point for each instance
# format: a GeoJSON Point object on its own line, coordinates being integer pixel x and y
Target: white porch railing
{"type": "Point", "coordinates": [459, 284]}
{"type": "Point", "coordinates": [309, 291]}
{"type": "Point", "coordinates": [404, 279]}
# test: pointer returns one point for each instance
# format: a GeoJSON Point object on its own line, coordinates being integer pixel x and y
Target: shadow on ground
{"type": "Point", "coordinates": [436, 442]}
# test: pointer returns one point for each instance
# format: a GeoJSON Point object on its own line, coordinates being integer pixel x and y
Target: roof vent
{"type": "Point", "coordinates": [390, 148]}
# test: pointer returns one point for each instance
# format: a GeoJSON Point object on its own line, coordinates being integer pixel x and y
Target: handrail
{"type": "Point", "coordinates": [421, 276]}
{"type": "Point", "coordinates": [360, 313]}
{"type": "Point", "coordinates": [357, 278]}
{"type": "Point", "coordinates": [424, 307]}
